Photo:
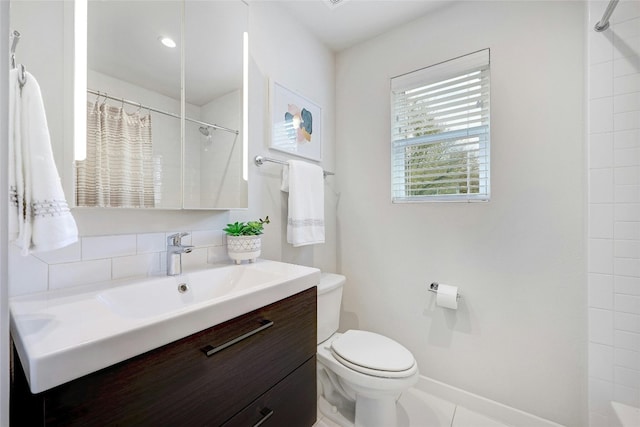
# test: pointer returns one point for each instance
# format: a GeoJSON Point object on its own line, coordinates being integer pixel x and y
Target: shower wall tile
{"type": "Point", "coordinates": [626, 230]}
{"type": "Point", "coordinates": [627, 193]}
{"type": "Point", "coordinates": [625, 47]}
{"type": "Point", "coordinates": [626, 102]}
{"type": "Point", "coordinates": [626, 285]}
{"type": "Point", "coordinates": [629, 28]}
{"type": "Point", "coordinates": [627, 341]}
{"type": "Point", "coordinates": [626, 377]}
{"type": "Point", "coordinates": [625, 84]}
{"type": "Point", "coordinates": [601, 326]}
{"type": "Point", "coordinates": [601, 85]}
{"type": "Point", "coordinates": [626, 304]}
{"type": "Point", "coordinates": [626, 249]}
{"type": "Point", "coordinates": [614, 207]}
{"type": "Point", "coordinates": [625, 66]}
{"type": "Point", "coordinates": [626, 121]}
{"type": "Point", "coordinates": [626, 10]}
{"type": "Point", "coordinates": [627, 359]}
{"type": "Point", "coordinates": [600, 395]}
{"type": "Point", "coordinates": [626, 322]}
{"type": "Point", "coordinates": [601, 185]}
{"type": "Point", "coordinates": [627, 395]}
{"type": "Point", "coordinates": [626, 212]}
{"type": "Point", "coordinates": [600, 48]}
{"type": "Point", "coordinates": [601, 221]}
{"type": "Point", "coordinates": [626, 267]}
{"type": "Point", "coordinates": [626, 139]}
{"type": "Point", "coordinates": [601, 361]}
{"type": "Point", "coordinates": [600, 256]}
{"type": "Point", "coordinates": [601, 114]}
{"type": "Point", "coordinates": [625, 175]}
{"type": "Point", "coordinates": [601, 291]}
{"type": "Point", "coordinates": [601, 150]}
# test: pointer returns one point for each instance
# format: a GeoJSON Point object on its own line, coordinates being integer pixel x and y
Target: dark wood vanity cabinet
{"type": "Point", "coordinates": [266, 377]}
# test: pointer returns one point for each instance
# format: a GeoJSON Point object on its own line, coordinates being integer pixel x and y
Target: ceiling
{"type": "Point", "coordinates": [354, 21]}
{"type": "Point", "coordinates": [122, 41]}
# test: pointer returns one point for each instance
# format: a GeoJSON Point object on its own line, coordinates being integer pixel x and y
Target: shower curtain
{"type": "Point", "coordinates": [118, 170]}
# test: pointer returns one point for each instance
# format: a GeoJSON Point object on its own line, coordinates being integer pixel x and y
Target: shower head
{"type": "Point", "coordinates": [205, 131]}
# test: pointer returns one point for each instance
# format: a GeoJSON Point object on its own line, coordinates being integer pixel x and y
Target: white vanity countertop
{"type": "Point", "coordinates": [66, 334]}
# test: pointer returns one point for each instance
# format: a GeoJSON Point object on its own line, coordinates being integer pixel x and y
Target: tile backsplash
{"type": "Point", "coordinates": [101, 258]}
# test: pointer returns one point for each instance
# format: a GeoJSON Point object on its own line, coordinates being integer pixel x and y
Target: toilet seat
{"type": "Point", "coordinates": [373, 354]}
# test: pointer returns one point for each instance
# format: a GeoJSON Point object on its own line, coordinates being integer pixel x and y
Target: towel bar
{"type": "Point", "coordinates": [259, 161]}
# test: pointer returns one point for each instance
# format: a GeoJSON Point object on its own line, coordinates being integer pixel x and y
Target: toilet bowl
{"type": "Point", "coordinates": [361, 374]}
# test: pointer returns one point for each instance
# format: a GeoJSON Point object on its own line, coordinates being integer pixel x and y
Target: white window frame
{"type": "Point", "coordinates": [464, 134]}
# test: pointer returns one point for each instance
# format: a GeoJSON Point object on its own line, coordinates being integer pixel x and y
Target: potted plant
{"type": "Point", "coordinates": [243, 239]}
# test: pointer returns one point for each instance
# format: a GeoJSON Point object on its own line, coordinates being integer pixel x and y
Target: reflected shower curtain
{"type": "Point", "coordinates": [118, 170]}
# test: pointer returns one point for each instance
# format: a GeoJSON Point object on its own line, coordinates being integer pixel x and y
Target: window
{"type": "Point", "coordinates": [440, 131]}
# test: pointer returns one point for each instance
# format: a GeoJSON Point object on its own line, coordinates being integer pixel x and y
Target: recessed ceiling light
{"type": "Point", "coordinates": [167, 41]}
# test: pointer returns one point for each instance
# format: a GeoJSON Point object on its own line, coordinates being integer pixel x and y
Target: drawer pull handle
{"type": "Point", "coordinates": [266, 414]}
{"type": "Point", "coordinates": [211, 350]}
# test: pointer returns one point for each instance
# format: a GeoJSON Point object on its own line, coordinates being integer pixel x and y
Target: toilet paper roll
{"type": "Point", "coordinates": [447, 296]}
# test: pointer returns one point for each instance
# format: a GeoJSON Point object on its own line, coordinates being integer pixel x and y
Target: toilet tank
{"type": "Point", "coordinates": [329, 300]}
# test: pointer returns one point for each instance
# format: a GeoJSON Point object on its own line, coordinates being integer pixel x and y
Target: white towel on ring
{"type": "Point", "coordinates": [305, 184]}
{"type": "Point", "coordinates": [39, 217]}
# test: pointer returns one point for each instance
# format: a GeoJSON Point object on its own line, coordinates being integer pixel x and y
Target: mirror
{"type": "Point", "coordinates": [138, 153]}
{"type": "Point", "coordinates": [190, 169]}
{"type": "Point", "coordinates": [213, 172]}
{"type": "Point", "coordinates": [133, 154]}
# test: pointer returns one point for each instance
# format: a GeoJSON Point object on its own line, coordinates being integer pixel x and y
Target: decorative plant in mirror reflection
{"type": "Point", "coordinates": [250, 228]}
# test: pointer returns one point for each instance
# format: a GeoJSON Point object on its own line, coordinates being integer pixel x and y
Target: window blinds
{"type": "Point", "coordinates": [440, 131]}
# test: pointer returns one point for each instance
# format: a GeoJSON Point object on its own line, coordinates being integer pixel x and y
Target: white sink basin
{"type": "Point", "coordinates": [158, 296]}
{"type": "Point", "coordinates": [63, 335]}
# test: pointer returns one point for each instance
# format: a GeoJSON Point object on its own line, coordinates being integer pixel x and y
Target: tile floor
{"type": "Point", "coordinates": [419, 409]}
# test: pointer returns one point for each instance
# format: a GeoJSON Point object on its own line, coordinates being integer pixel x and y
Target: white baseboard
{"type": "Point", "coordinates": [489, 408]}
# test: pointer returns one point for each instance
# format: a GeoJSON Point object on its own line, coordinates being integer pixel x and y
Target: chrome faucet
{"type": "Point", "coordinates": [175, 249]}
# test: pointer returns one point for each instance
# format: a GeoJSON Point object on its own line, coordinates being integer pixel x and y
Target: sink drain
{"type": "Point", "coordinates": [183, 287]}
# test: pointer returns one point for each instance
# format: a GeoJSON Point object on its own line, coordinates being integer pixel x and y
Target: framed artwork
{"type": "Point", "coordinates": [296, 124]}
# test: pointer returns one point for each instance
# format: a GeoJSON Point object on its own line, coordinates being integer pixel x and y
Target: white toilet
{"type": "Point", "coordinates": [361, 374]}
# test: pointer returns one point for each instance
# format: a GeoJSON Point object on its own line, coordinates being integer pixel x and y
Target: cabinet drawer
{"type": "Point", "coordinates": [292, 402]}
{"type": "Point", "coordinates": [178, 384]}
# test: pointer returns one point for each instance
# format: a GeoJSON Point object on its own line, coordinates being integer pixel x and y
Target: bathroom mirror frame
{"type": "Point", "coordinates": [223, 197]}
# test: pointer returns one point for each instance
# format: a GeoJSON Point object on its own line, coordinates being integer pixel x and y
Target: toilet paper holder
{"type": "Point", "coordinates": [433, 287]}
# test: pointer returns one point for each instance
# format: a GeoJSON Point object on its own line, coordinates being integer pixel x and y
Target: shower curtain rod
{"type": "Point", "coordinates": [155, 110]}
{"type": "Point", "coordinates": [603, 24]}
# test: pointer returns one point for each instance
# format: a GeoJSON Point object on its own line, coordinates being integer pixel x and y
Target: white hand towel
{"type": "Point", "coordinates": [305, 222]}
{"type": "Point", "coordinates": [39, 217]}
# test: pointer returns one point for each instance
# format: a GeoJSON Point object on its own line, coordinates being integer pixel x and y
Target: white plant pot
{"type": "Point", "coordinates": [242, 248]}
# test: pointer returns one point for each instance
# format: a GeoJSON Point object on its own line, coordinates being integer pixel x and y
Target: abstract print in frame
{"type": "Point", "coordinates": [296, 124]}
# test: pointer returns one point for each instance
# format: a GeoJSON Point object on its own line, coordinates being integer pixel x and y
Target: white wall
{"type": "Point", "coordinates": [519, 335]}
{"type": "Point", "coordinates": [614, 215]}
{"type": "Point", "coordinates": [284, 51]}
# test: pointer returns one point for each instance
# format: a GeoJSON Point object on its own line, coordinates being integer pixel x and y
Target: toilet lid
{"type": "Point", "coordinates": [372, 351]}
